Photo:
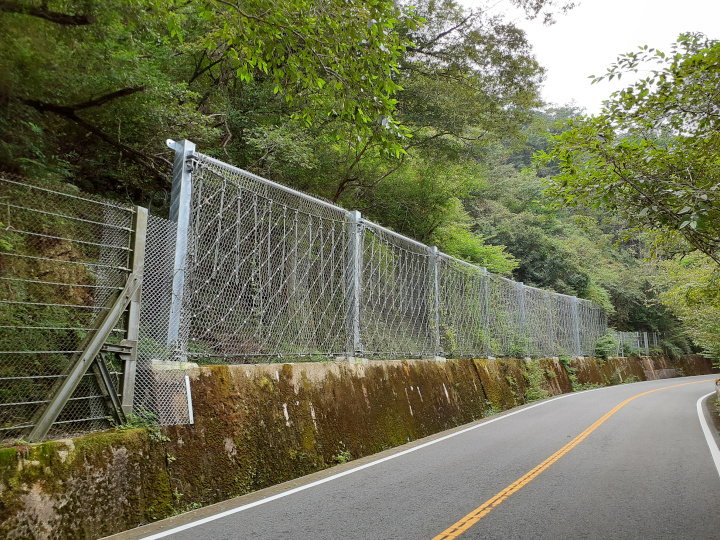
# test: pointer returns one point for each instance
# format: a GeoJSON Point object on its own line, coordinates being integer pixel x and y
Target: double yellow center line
{"type": "Point", "coordinates": [480, 512]}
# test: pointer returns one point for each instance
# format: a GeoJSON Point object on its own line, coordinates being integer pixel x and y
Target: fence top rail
{"type": "Point", "coordinates": [396, 235]}
{"type": "Point", "coordinates": [98, 201]}
{"type": "Point", "coordinates": [242, 172]}
{"type": "Point", "coordinates": [198, 156]}
{"type": "Point", "coordinates": [450, 258]}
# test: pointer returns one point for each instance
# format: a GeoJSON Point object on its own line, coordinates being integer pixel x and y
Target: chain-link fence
{"type": "Point", "coordinates": [66, 260]}
{"type": "Point", "coordinates": [245, 270]}
{"type": "Point", "coordinates": [269, 272]}
{"type": "Point", "coordinates": [160, 380]}
{"type": "Point", "coordinates": [63, 259]}
{"type": "Point", "coordinates": [637, 343]}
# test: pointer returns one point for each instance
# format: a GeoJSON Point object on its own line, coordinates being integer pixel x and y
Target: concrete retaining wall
{"type": "Point", "coordinates": [258, 425]}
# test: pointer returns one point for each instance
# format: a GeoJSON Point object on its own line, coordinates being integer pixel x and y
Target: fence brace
{"type": "Point", "coordinates": [129, 357]}
{"type": "Point", "coordinates": [93, 347]}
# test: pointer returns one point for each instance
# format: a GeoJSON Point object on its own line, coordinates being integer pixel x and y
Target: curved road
{"type": "Point", "coordinates": [629, 461]}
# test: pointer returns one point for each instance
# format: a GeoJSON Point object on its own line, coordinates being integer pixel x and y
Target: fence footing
{"type": "Point", "coordinates": [351, 360]}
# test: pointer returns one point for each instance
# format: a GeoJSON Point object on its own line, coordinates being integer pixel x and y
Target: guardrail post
{"type": "Point", "coordinates": [435, 280]}
{"type": "Point", "coordinates": [127, 389]}
{"type": "Point", "coordinates": [180, 210]}
{"type": "Point", "coordinates": [353, 284]}
{"type": "Point", "coordinates": [576, 325]}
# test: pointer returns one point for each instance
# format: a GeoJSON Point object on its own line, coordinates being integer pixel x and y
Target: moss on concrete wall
{"type": "Point", "coordinates": [259, 425]}
{"type": "Point", "coordinates": [81, 488]}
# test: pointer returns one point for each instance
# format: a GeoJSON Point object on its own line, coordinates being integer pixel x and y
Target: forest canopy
{"type": "Point", "coordinates": [422, 115]}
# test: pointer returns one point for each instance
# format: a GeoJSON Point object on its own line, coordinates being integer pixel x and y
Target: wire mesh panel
{"type": "Point", "coordinates": [637, 343]}
{"type": "Point", "coordinates": [592, 326]}
{"type": "Point", "coordinates": [564, 326]}
{"type": "Point", "coordinates": [266, 269]}
{"type": "Point", "coordinates": [271, 272]}
{"type": "Point", "coordinates": [464, 310]}
{"type": "Point", "coordinates": [160, 389]}
{"type": "Point", "coordinates": [63, 259]}
{"type": "Point", "coordinates": [539, 322]}
{"type": "Point", "coordinates": [396, 295]}
{"type": "Point", "coordinates": [505, 317]}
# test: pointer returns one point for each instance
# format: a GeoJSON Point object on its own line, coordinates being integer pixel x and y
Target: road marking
{"type": "Point", "coordinates": [480, 512]}
{"type": "Point", "coordinates": [714, 450]}
{"type": "Point", "coordinates": [298, 489]}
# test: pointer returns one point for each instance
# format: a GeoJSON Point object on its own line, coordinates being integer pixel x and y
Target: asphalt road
{"type": "Point", "coordinates": [643, 470]}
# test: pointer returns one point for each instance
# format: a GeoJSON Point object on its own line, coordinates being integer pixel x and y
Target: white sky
{"type": "Point", "coordinates": [590, 37]}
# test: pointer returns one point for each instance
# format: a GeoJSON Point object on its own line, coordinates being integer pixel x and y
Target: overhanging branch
{"type": "Point", "coordinates": [69, 112]}
{"type": "Point", "coordinates": [42, 12]}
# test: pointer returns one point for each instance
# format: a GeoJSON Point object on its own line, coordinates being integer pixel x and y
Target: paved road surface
{"type": "Point", "coordinates": [601, 466]}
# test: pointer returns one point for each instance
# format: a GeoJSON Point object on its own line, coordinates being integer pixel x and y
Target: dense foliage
{"type": "Point", "coordinates": [651, 158]}
{"type": "Point", "coordinates": [652, 154]}
{"type": "Point", "coordinates": [423, 115]}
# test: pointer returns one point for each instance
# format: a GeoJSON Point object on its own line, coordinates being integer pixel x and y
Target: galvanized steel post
{"type": "Point", "coordinates": [486, 309]}
{"type": "Point", "coordinates": [354, 283]}
{"type": "Point", "coordinates": [435, 277]}
{"type": "Point", "coordinates": [576, 325]}
{"type": "Point", "coordinates": [550, 332]}
{"type": "Point", "coordinates": [180, 210]}
{"type": "Point", "coordinates": [521, 317]}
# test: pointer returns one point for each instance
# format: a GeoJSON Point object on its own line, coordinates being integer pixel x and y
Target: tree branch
{"type": "Point", "coordinates": [443, 34]}
{"type": "Point", "coordinates": [9, 6]}
{"type": "Point", "coordinates": [109, 97]}
{"type": "Point", "coordinates": [199, 71]}
{"type": "Point", "coordinates": [69, 112]}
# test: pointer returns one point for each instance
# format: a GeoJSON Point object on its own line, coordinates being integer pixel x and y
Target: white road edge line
{"type": "Point", "coordinates": [344, 473]}
{"type": "Point", "coordinates": [714, 450]}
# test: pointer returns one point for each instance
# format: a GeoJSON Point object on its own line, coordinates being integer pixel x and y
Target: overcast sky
{"type": "Point", "coordinates": [590, 37]}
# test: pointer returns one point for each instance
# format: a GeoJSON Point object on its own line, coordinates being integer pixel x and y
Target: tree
{"type": "Point", "coordinates": [652, 154]}
{"type": "Point", "coordinates": [689, 287]}
{"type": "Point", "coordinates": [92, 83]}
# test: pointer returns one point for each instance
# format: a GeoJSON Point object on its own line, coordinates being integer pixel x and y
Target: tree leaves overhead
{"type": "Point", "coordinates": [652, 155]}
{"type": "Point", "coordinates": [543, 8]}
{"type": "Point", "coordinates": [338, 56]}
{"type": "Point", "coordinates": [330, 58]}
{"type": "Point", "coordinates": [373, 104]}
{"type": "Point", "coordinates": [468, 73]}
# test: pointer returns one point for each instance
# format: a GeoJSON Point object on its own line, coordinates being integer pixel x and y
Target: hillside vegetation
{"type": "Point", "coordinates": [425, 118]}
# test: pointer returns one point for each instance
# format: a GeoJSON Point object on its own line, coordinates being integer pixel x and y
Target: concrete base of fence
{"type": "Point", "coordinates": [259, 425]}
{"type": "Point", "coordinates": [161, 365]}
{"type": "Point", "coordinates": [352, 360]}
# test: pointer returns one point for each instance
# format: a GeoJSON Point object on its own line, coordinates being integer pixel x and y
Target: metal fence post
{"type": "Point", "coordinates": [435, 277]}
{"type": "Point", "coordinates": [521, 317]}
{"type": "Point", "coordinates": [354, 282]}
{"type": "Point", "coordinates": [647, 344]}
{"type": "Point", "coordinates": [127, 389]}
{"type": "Point", "coordinates": [576, 325]}
{"type": "Point", "coordinates": [486, 308]}
{"type": "Point", "coordinates": [550, 312]}
{"type": "Point", "coordinates": [180, 210]}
